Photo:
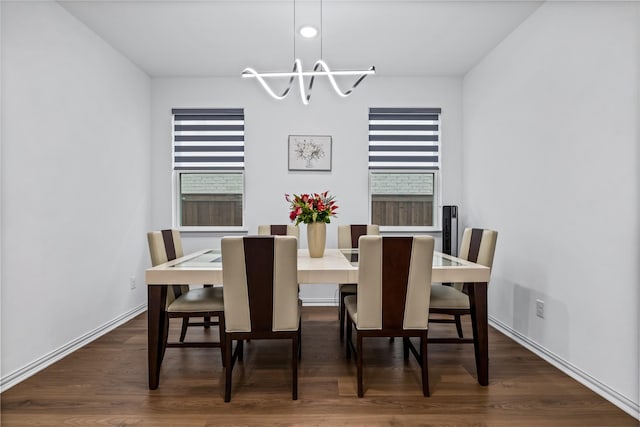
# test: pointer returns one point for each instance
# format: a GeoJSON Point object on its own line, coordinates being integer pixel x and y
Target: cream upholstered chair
{"type": "Point", "coordinates": [279, 230]}
{"type": "Point", "coordinates": [348, 236]}
{"type": "Point", "coordinates": [181, 301]}
{"type": "Point", "coordinates": [260, 276]}
{"type": "Point", "coordinates": [478, 245]}
{"type": "Point", "coordinates": [394, 284]}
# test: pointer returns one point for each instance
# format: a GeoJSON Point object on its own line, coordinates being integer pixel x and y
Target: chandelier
{"type": "Point", "coordinates": [320, 69]}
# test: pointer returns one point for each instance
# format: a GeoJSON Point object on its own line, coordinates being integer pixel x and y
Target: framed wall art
{"type": "Point", "coordinates": [309, 153]}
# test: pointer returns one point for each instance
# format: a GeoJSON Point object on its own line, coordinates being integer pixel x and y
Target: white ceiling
{"type": "Point", "coordinates": [168, 38]}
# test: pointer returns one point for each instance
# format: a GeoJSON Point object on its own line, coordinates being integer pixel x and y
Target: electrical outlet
{"type": "Point", "coordinates": [540, 308]}
{"type": "Point", "coordinates": [132, 282]}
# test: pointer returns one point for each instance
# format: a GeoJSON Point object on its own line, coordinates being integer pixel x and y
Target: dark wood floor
{"type": "Point", "coordinates": [105, 383]}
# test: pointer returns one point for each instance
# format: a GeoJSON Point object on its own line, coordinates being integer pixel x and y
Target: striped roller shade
{"type": "Point", "coordinates": [208, 138]}
{"type": "Point", "coordinates": [404, 138]}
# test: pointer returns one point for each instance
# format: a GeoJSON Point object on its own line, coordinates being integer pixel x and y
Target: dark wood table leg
{"type": "Point", "coordinates": [480, 325]}
{"type": "Point", "coordinates": [156, 330]}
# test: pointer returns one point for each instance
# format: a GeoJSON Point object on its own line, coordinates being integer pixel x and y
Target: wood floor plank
{"type": "Point", "coordinates": [105, 383]}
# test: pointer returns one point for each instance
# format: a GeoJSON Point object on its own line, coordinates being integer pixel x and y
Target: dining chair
{"type": "Point", "coordinates": [478, 245]}
{"type": "Point", "coordinates": [183, 302]}
{"type": "Point", "coordinates": [348, 236]}
{"type": "Point", "coordinates": [394, 284]}
{"type": "Point", "coordinates": [260, 276]}
{"type": "Point", "coordinates": [279, 230]}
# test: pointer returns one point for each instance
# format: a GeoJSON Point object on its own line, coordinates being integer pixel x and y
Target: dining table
{"type": "Point", "coordinates": [204, 267]}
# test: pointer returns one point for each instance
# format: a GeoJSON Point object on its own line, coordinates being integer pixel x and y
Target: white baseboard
{"type": "Point", "coordinates": [319, 302]}
{"type": "Point", "coordinates": [622, 402]}
{"type": "Point", "coordinates": [37, 365]}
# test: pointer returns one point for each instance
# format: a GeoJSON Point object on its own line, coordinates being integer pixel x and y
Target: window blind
{"type": "Point", "coordinates": [208, 138]}
{"type": "Point", "coordinates": [404, 138]}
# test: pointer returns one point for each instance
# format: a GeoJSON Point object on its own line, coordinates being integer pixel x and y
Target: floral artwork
{"type": "Point", "coordinates": [309, 152]}
{"type": "Point", "coordinates": [313, 207]}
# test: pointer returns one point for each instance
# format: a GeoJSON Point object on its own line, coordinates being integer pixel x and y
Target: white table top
{"type": "Point", "coordinates": [205, 267]}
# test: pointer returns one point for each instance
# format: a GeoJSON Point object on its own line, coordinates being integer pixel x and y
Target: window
{"type": "Point", "coordinates": [210, 199]}
{"type": "Point", "coordinates": [208, 164]}
{"type": "Point", "coordinates": [404, 164]}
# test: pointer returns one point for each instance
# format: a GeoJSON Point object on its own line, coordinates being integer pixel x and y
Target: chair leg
{"type": "Point", "coordinates": [295, 351]}
{"type": "Point", "coordinates": [228, 367]}
{"type": "Point", "coordinates": [458, 326]}
{"type": "Point", "coordinates": [359, 364]}
{"type": "Point", "coordinates": [405, 347]}
{"type": "Point", "coordinates": [207, 319]}
{"type": "Point", "coordinates": [240, 350]}
{"type": "Point", "coordinates": [183, 330]}
{"type": "Point", "coordinates": [425, 365]}
{"type": "Point", "coordinates": [300, 342]}
{"type": "Point", "coordinates": [223, 340]}
{"type": "Point", "coordinates": [341, 316]}
{"type": "Point", "coordinates": [165, 334]}
{"type": "Point", "coordinates": [349, 334]}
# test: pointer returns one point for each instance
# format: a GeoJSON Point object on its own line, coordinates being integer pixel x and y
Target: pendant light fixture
{"type": "Point", "coordinates": [320, 69]}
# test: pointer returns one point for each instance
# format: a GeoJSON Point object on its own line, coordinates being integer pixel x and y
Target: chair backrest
{"type": "Point", "coordinates": [279, 230]}
{"type": "Point", "coordinates": [260, 276]}
{"type": "Point", "coordinates": [394, 282]}
{"type": "Point", "coordinates": [156, 248]}
{"type": "Point", "coordinates": [166, 246]}
{"type": "Point", "coordinates": [348, 235]}
{"type": "Point", "coordinates": [478, 245]}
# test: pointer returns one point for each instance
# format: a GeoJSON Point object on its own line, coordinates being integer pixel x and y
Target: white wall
{"type": "Point", "coordinates": [75, 185]}
{"type": "Point", "coordinates": [1, 198]}
{"type": "Point", "coordinates": [551, 161]}
{"type": "Point", "coordinates": [269, 122]}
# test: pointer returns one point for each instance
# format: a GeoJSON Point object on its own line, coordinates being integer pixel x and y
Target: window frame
{"type": "Point", "coordinates": [437, 172]}
{"type": "Point", "coordinates": [230, 133]}
{"type": "Point", "coordinates": [177, 205]}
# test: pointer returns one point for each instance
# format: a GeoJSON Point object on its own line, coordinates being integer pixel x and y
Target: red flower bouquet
{"type": "Point", "coordinates": [308, 208]}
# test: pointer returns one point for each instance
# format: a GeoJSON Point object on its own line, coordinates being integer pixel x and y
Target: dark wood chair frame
{"type": "Point", "coordinates": [186, 322]}
{"type": "Point", "coordinates": [170, 251]}
{"type": "Point", "coordinates": [357, 230]}
{"type": "Point", "coordinates": [231, 356]}
{"type": "Point", "coordinates": [457, 313]}
{"type": "Point", "coordinates": [408, 345]}
{"type": "Point", "coordinates": [342, 311]}
{"type": "Point", "coordinates": [406, 334]}
{"type": "Point", "coordinates": [456, 318]}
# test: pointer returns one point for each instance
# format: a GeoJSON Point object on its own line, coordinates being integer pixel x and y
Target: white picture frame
{"type": "Point", "coordinates": [309, 153]}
